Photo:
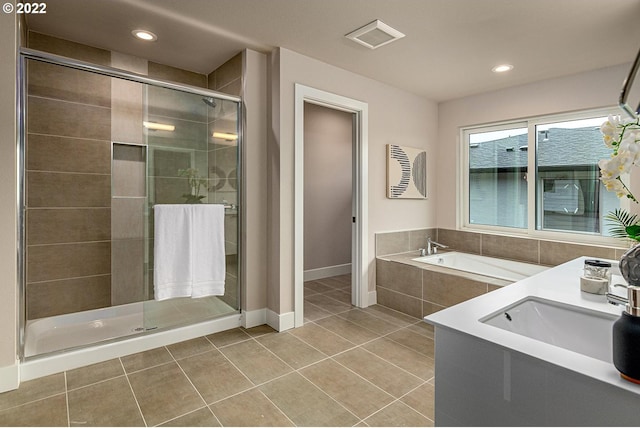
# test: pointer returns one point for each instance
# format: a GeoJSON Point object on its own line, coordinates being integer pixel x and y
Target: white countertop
{"type": "Point", "coordinates": [560, 284]}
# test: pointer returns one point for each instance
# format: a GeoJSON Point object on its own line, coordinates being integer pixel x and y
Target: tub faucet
{"type": "Point", "coordinates": [432, 246]}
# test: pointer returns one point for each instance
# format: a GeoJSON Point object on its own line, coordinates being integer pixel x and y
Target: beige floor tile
{"type": "Point", "coordinates": [146, 359]}
{"type": "Point", "coordinates": [346, 278]}
{"type": "Point", "coordinates": [164, 393]}
{"type": "Point", "coordinates": [350, 331]}
{"type": "Point", "coordinates": [322, 339]}
{"type": "Point", "coordinates": [108, 403]}
{"type": "Point", "coordinates": [390, 315]}
{"type": "Point", "coordinates": [291, 350]}
{"type": "Point", "coordinates": [340, 295]}
{"type": "Point", "coordinates": [190, 347]}
{"type": "Point", "coordinates": [356, 394]}
{"type": "Point", "coordinates": [314, 287]}
{"type": "Point", "coordinates": [422, 400]}
{"type": "Point", "coordinates": [84, 376]}
{"type": "Point", "coordinates": [33, 390]}
{"type": "Point", "coordinates": [336, 283]}
{"type": "Point", "coordinates": [398, 415]}
{"type": "Point", "coordinates": [422, 328]}
{"type": "Point", "coordinates": [314, 313]}
{"type": "Point", "coordinates": [199, 418]}
{"type": "Point", "coordinates": [383, 374]}
{"type": "Point", "coordinates": [415, 341]}
{"type": "Point", "coordinates": [256, 362]}
{"type": "Point", "coordinates": [370, 322]}
{"type": "Point", "coordinates": [407, 359]}
{"type": "Point", "coordinates": [214, 376]}
{"type": "Point", "coordinates": [327, 303]}
{"type": "Point", "coordinates": [261, 412]}
{"type": "Point", "coordinates": [49, 412]}
{"type": "Point", "coordinates": [229, 337]}
{"type": "Point", "coordinates": [305, 404]}
{"type": "Point", "coordinates": [259, 330]}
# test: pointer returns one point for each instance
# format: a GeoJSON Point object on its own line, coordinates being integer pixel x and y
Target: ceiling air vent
{"type": "Point", "coordinates": [375, 34]}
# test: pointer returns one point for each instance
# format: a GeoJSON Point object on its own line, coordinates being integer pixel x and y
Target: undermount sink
{"type": "Point", "coordinates": [570, 327]}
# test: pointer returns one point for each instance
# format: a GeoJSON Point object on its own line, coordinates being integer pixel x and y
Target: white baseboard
{"type": "Point", "coordinates": [373, 298]}
{"type": "Point", "coordinates": [281, 322]}
{"type": "Point", "coordinates": [326, 272]}
{"type": "Point", "coordinates": [254, 318]}
{"type": "Point", "coordinates": [10, 377]}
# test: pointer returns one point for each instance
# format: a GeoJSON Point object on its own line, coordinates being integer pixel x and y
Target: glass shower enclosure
{"type": "Point", "coordinates": [100, 147]}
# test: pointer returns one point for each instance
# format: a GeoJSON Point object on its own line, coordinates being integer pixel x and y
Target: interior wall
{"type": "Point", "coordinates": [254, 162]}
{"type": "Point", "coordinates": [395, 117]}
{"type": "Point", "coordinates": [328, 142]}
{"type": "Point", "coordinates": [9, 375]}
{"type": "Point", "coordinates": [590, 90]}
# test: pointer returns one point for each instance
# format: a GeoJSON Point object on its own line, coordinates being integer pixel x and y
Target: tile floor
{"type": "Point", "coordinates": [345, 367]}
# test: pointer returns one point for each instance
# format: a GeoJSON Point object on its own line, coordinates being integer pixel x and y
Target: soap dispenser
{"type": "Point", "coordinates": [626, 338]}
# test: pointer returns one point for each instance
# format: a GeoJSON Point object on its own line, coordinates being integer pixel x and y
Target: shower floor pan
{"type": "Point", "coordinates": [45, 335]}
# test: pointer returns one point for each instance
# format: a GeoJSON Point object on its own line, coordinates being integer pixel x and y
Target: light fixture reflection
{"type": "Point", "coordinates": [225, 136]}
{"type": "Point", "coordinates": [154, 126]}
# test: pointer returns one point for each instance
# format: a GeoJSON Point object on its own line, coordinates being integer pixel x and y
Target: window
{"type": "Point", "coordinates": [537, 176]}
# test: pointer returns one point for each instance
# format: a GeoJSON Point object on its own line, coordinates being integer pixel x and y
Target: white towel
{"type": "Point", "coordinates": [172, 248]}
{"type": "Point", "coordinates": [189, 256]}
{"type": "Point", "coordinates": [208, 250]}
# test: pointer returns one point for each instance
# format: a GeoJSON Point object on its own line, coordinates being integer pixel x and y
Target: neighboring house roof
{"type": "Point", "coordinates": [565, 147]}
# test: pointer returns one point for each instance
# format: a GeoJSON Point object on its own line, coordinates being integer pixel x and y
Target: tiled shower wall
{"type": "Point", "coordinates": [85, 248]}
{"type": "Point", "coordinates": [420, 292]}
{"type": "Point", "coordinates": [69, 197]}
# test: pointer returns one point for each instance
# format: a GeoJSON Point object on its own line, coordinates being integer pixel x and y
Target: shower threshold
{"type": "Point", "coordinates": [61, 332]}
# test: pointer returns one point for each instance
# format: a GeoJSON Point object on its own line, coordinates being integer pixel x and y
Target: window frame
{"type": "Point", "coordinates": [530, 231]}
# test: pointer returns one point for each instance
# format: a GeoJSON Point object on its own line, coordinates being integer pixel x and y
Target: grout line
{"type": "Point", "coordinates": [330, 397]}
{"type": "Point", "coordinates": [277, 407]}
{"type": "Point", "coordinates": [66, 396]}
{"type": "Point", "coordinates": [94, 383]}
{"type": "Point", "coordinates": [64, 137]}
{"type": "Point", "coordinates": [144, 420]}
{"type": "Point", "coordinates": [192, 385]}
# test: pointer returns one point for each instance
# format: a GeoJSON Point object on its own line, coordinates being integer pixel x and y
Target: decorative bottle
{"type": "Point", "coordinates": [626, 339]}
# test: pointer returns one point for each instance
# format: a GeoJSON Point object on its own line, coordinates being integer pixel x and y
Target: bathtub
{"type": "Point", "coordinates": [482, 265]}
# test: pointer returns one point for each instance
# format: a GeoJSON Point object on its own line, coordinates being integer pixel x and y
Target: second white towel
{"type": "Point", "coordinates": [208, 250]}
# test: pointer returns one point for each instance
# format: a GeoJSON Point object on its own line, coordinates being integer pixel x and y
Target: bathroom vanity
{"type": "Point", "coordinates": [536, 353]}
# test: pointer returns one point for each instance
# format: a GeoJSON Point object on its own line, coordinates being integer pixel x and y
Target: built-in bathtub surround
{"type": "Point", "coordinates": [529, 250]}
{"type": "Point", "coordinates": [419, 290]}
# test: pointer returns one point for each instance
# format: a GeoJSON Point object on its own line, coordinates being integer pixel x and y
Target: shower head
{"type": "Point", "coordinates": [209, 101]}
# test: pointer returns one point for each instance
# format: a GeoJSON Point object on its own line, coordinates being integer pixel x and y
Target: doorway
{"type": "Point", "coordinates": [358, 111]}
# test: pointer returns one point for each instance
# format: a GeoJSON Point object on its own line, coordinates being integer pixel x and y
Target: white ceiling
{"type": "Point", "coordinates": [448, 52]}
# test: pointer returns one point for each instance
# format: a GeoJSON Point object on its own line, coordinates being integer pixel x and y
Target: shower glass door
{"type": "Point", "coordinates": [193, 154]}
{"type": "Point", "coordinates": [101, 149]}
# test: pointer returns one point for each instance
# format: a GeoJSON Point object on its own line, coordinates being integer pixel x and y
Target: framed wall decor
{"type": "Point", "coordinates": [406, 172]}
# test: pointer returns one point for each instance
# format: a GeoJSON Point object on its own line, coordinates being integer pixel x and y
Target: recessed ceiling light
{"type": "Point", "coordinates": [145, 35]}
{"type": "Point", "coordinates": [502, 68]}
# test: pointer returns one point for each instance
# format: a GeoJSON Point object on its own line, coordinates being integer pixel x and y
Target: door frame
{"type": "Point", "coordinates": [359, 235]}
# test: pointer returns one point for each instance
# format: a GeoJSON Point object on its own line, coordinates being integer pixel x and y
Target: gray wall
{"type": "Point", "coordinates": [327, 186]}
